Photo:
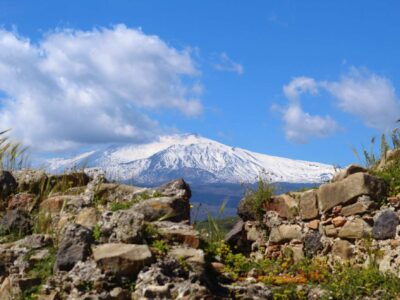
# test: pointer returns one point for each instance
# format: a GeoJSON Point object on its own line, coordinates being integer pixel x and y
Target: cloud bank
{"type": "Point", "coordinates": [359, 93]}
{"type": "Point", "coordinates": [75, 87]}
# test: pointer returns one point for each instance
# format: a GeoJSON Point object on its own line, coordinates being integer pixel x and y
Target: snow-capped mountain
{"type": "Point", "coordinates": [195, 158]}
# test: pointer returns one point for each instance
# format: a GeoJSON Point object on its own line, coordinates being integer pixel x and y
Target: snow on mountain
{"type": "Point", "coordinates": [195, 158]}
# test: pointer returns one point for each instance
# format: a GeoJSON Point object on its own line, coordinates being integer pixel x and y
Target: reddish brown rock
{"type": "Point", "coordinates": [22, 201]}
{"type": "Point", "coordinates": [339, 221]}
{"type": "Point", "coordinates": [314, 224]}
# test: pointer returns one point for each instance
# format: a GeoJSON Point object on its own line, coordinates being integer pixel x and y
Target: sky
{"type": "Point", "coordinates": [300, 79]}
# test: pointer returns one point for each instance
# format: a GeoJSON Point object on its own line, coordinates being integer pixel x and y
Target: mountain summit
{"type": "Point", "coordinates": [197, 159]}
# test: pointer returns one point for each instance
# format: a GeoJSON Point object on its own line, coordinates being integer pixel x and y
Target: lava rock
{"type": "Point", "coordinates": [18, 221]}
{"type": "Point", "coordinates": [74, 247]}
{"type": "Point", "coordinates": [8, 184]}
{"type": "Point", "coordinates": [385, 225]}
{"type": "Point", "coordinates": [312, 243]}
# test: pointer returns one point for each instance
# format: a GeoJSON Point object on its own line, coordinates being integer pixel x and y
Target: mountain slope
{"type": "Point", "coordinates": [197, 159]}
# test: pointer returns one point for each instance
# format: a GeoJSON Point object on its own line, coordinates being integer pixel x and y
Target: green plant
{"type": "Point", "coordinates": [391, 175]}
{"type": "Point", "coordinates": [97, 232]}
{"type": "Point", "coordinates": [115, 206]}
{"type": "Point", "coordinates": [183, 263]}
{"type": "Point", "coordinates": [43, 223]}
{"type": "Point", "coordinates": [161, 247]}
{"type": "Point", "coordinates": [257, 198]}
{"type": "Point", "coordinates": [41, 270]}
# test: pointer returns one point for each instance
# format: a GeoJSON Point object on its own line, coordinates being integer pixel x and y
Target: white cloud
{"type": "Point", "coordinates": [368, 96]}
{"type": "Point", "coordinates": [95, 86]}
{"type": "Point", "coordinates": [361, 93]}
{"type": "Point", "coordinates": [298, 86]}
{"type": "Point", "coordinates": [226, 64]}
{"type": "Point", "coordinates": [300, 126]}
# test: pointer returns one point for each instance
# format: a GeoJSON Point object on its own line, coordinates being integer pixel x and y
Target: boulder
{"type": "Point", "coordinates": [176, 188]}
{"type": "Point", "coordinates": [355, 229]}
{"type": "Point", "coordinates": [87, 217]}
{"type": "Point", "coordinates": [178, 232]}
{"type": "Point", "coordinates": [308, 205]}
{"type": "Point", "coordinates": [31, 181]}
{"type": "Point", "coordinates": [346, 190]}
{"type": "Point", "coordinates": [312, 243]}
{"type": "Point", "coordinates": [174, 209]}
{"type": "Point", "coordinates": [330, 230]}
{"type": "Point", "coordinates": [23, 201]}
{"type": "Point", "coordinates": [122, 226]}
{"type": "Point", "coordinates": [193, 257]}
{"type": "Point", "coordinates": [343, 249]}
{"type": "Point", "coordinates": [64, 202]}
{"type": "Point", "coordinates": [122, 259]}
{"type": "Point", "coordinates": [169, 277]}
{"type": "Point", "coordinates": [74, 247]}
{"type": "Point", "coordinates": [314, 224]}
{"type": "Point", "coordinates": [8, 184]}
{"type": "Point", "coordinates": [351, 169]}
{"type": "Point", "coordinates": [339, 221]}
{"type": "Point", "coordinates": [237, 240]}
{"type": "Point", "coordinates": [285, 233]}
{"type": "Point", "coordinates": [385, 225]}
{"type": "Point", "coordinates": [286, 206]}
{"type": "Point", "coordinates": [60, 183]}
{"type": "Point", "coordinates": [363, 205]}
{"type": "Point", "coordinates": [16, 221]}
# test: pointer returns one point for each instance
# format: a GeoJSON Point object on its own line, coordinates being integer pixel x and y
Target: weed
{"type": "Point", "coordinates": [97, 232]}
{"type": "Point", "coordinates": [160, 247]}
{"type": "Point", "coordinates": [256, 199]}
{"type": "Point", "coordinates": [12, 154]}
{"type": "Point", "coordinates": [115, 206]}
{"type": "Point", "coordinates": [43, 223]}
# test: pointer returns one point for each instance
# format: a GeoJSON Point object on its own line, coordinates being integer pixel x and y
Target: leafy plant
{"type": "Point", "coordinates": [256, 199]}
{"type": "Point", "coordinates": [161, 247]}
{"type": "Point", "coordinates": [97, 232]}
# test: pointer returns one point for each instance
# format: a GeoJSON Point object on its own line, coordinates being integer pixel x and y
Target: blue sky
{"type": "Point", "coordinates": [228, 62]}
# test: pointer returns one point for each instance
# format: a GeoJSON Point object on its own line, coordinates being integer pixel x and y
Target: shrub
{"type": "Point", "coordinates": [257, 198]}
{"type": "Point", "coordinates": [160, 247]}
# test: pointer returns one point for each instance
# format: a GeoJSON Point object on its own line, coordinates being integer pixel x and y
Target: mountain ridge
{"type": "Point", "coordinates": [197, 159]}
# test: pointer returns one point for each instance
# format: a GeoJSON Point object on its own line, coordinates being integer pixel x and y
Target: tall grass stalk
{"type": "Point", "coordinates": [12, 154]}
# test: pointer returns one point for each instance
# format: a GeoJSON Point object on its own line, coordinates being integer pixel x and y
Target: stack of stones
{"type": "Point", "coordinates": [345, 219]}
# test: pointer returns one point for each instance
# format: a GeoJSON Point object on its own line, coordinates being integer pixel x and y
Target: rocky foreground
{"type": "Point", "coordinates": [75, 236]}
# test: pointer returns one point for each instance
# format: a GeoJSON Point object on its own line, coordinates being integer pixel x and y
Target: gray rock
{"type": "Point", "coordinates": [312, 243]}
{"type": "Point", "coordinates": [8, 184]}
{"type": "Point", "coordinates": [385, 225]}
{"type": "Point", "coordinates": [74, 247]}
{"type": "Point", "coordinates": [123, 226]}
{"type": "Point", "coordinates": [16, 221]}
{"type": "Point", "coordinates": [31, 181]}
{"type": "Point", "coordinates": [168, 278]}
{"type": "Point", "coordinates": [342, 192]}
{"type": "Point", "coordinates": [237, 240]}
{"type": "Point", "coordinates": [122, 259]}
{"type": "Point", "coordinates": [167, 208]}
{"type": "Point", "coordinates": [181, 233]}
